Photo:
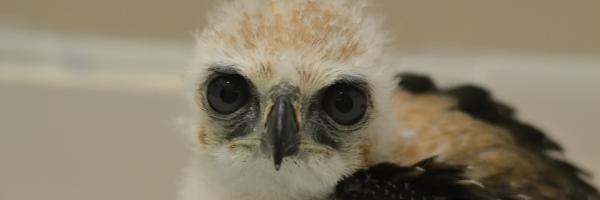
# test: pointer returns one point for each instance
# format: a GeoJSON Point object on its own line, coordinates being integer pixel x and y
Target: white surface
{"type": "Point", "coordinates": [106, 131]}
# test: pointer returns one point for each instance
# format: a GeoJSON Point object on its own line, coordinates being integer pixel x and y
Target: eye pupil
{"type": "Point", "coordinates": [228, 93]}
{"type": "Point", "coordinates": [344, 103]}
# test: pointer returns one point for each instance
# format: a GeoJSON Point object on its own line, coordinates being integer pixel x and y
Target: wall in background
{"type": "Point", "coordinates": [555, 26]}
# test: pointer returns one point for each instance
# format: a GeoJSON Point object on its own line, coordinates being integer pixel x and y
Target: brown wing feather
{"type": "Point", "coordinates": [466, 126]}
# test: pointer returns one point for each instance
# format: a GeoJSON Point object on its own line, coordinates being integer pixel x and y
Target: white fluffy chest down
{"type": "Point", "coordinates": [225, 179]}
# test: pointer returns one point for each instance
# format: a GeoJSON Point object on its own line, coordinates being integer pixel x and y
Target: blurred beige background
{"type": "Point", "coordinates": [536, 25]}
{"type": "Point", "coordinates": [90, 91]}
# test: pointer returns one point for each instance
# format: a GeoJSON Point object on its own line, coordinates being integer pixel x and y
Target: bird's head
{"type": "Point", "coordinates": [283, 87]}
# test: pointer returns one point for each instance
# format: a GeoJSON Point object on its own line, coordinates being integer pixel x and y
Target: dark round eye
{"type": "Point", "coordinates": [344, 103]}
{"type": "Point", "coordinates": [228, 93]}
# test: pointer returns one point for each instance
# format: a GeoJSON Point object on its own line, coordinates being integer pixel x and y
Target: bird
{"type": "Point", "coordinates": [302, 100]}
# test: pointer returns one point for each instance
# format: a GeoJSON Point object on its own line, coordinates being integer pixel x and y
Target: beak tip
{"type": "Point", "coordinates": [277, 167]}
{"type": "Point", "coordinates": [277, 162]}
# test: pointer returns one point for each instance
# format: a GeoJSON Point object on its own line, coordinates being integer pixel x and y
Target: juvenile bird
{"type": "Point", "coordinates": [296, 99]}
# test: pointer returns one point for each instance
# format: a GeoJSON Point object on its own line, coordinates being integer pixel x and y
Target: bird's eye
{"type": "Point", "coordinates": [344, 103]}
{"type": "Point", "coordinates": [228, 93]}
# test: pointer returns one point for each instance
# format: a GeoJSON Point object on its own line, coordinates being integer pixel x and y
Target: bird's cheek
{"type": "Point", "coordinates": [244, 147]}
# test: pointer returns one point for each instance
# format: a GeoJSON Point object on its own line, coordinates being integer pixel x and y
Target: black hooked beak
{"type": "Point", "coordinates": [282, 130]}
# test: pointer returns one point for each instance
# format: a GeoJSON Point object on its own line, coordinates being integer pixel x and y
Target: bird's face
{"type": "Point", "coordinates": [283, 119]}
{"type": "Point", "coordinates": [283, 89]}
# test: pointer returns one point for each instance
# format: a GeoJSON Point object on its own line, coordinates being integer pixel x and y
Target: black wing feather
{"type": "Point", "coordinates": [426, 180]}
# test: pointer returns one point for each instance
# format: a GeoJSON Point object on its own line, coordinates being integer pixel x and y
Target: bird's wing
{"type": "Point", "coordinates": [466, 126]}
{"type": "Point", "coordinates": [427, 179]}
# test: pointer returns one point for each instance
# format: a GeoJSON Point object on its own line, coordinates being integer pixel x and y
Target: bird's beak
{"type": "Point", "coordinates": [282, 136]}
